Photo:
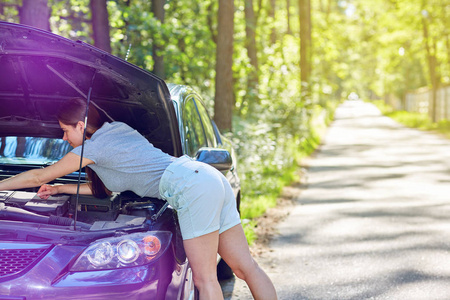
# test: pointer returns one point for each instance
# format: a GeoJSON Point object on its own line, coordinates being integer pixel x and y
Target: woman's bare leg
{"type": "Point", "coordinates": [233, 248]}
{"type": "Point", "coordinates": [202, 255]}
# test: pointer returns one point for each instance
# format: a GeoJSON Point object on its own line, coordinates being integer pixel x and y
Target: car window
{"type": "Point", "coordinates": [207, 125]}
{"type": "Point", "coordinates": [31, 150]}
{"type": "Point", "coordinates": [193, 129]}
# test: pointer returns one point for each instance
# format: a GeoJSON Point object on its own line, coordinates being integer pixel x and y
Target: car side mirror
{"type": "Point", "coordinates": [218, 158]}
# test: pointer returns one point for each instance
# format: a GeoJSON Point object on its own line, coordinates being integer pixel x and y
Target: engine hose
{"type": "Point", "coordinates": [19, 214]}
{"type": "Point", "coordinates": [63, 221]}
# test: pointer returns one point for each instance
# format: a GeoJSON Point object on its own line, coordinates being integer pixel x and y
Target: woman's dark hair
{"type": "Point", "coordinates": [70, 113]}
{"type": "Point", "coordinates": [74, 110]}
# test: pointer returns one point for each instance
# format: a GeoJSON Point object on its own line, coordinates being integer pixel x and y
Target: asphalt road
{"type": "Point", "coordinates": [374, 220]}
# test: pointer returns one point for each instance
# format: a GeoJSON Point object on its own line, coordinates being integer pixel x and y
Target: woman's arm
{"type": "Point", "coordinates": [46, 190]}
{"type": "Point", "coordinates": [37, 177]}
{"type": "Point", "coordinates": [72, 189]}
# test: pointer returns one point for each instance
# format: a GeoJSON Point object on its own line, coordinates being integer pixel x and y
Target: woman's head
{"type": "Point", "coordinates": [73, 111]}
{"type": "Point", "coordinates": [71, 117]}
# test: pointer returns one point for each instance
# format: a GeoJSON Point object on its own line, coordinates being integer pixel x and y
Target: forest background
{"type": "Point", "coordinates": [270, 71]}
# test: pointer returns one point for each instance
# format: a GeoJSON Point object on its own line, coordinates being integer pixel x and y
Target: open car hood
{"type": "Point", "coordinates": [40, 70]}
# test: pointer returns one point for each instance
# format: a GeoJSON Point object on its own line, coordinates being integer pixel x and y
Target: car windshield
{"type": "Point", "coordinates": [31, 150]}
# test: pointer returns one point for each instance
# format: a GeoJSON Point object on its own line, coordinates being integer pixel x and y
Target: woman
{"type": "Point", "coordinates": [118, 158]}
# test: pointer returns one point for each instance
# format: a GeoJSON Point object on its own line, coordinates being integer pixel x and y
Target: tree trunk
{"type": "Point", "coordinates": [447, 46]}
{"type": "Point", "coordinates": [158, 67]}
{"type": "Point", "coordinates": [35, 13]}
{"type": "Point", "coordinates": [224, 61]}
{"type": "Point", "coordinates": [432, 68]}
{"type": "Point", "coordinates": [273, 33]}
{"type": "Point", "coordinates": [305, 48]}
{"type": "Point", "coordinates": [100, 25]}
{"type": "Point", "coordinates": [288, 13]}
{"type": "Point", "coordinates": [209, 21]}
{"type": "Point", "coordinates": [258, 12]}
{"type": "Point", "coordinates": [250, 27]}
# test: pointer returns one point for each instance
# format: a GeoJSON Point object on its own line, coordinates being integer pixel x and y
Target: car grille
{"type": "Point", "coordinates": [13, 261]}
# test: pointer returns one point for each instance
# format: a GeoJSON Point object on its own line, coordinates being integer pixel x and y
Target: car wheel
{"type": "Point", "coordinates": [224, 272]}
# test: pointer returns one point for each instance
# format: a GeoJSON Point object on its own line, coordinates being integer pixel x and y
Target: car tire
{"type": "Point", "coordinates": [224, 271]}
{"type": "Point", "coordinates": [196, 294]}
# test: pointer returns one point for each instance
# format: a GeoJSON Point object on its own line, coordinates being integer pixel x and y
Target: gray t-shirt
{"type": "Point", "coordinates": [125, 160]}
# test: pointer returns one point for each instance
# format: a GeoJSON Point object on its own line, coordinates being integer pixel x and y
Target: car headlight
{"type": "Point", "coordinates": [129, 250]}
{"type": "Point", "coordinates": [101, 254]}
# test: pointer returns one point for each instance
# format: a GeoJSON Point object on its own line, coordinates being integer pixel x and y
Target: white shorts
{"type": "Point", "coordinates": [201, 195]}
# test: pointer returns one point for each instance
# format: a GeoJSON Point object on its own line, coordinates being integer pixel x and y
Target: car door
{"type": "Point", "coordinates": [199, 131]}
{"type": "Point", "coordinates": [194, 133]}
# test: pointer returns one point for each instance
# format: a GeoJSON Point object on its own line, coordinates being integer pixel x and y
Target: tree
{"type": "Point", "coordinates": [430, 47]}
{"type": "Point", "coordinates": [35, 13]}
{"type": "Point", "coordinates": [100, 25]}
{"type": "Point", "coordinates": [305, 47]}
{"type": "Point", "coordinates": [250, 43]}
{"type": "Point", "coordinates": [288, 17]}
{"type": "Point", "coordinates": [273, 32]}
{"type": "Point", "coordinates": [431, 54]}
{"type": "Point", "coordinates": [158, 59]}
{"type": "Point", "coordinates": [224, 61]}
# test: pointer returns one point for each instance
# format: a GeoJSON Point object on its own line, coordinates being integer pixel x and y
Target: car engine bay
{"type": "Point", "coordinates": [119, 210]}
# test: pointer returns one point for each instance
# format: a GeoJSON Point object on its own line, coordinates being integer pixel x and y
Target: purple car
{"type": "Point", "coordinates": [78, 246]}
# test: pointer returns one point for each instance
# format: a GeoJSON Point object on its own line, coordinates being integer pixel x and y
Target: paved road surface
{"type": "Point", "coordinates": [374, 221]}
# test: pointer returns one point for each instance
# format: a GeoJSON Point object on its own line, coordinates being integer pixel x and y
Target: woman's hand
{"type": "Point", "coordinates": [47, 190]}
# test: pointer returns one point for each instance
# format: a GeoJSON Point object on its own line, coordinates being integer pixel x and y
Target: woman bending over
{"type": "Point", "coordinates": [118, 158]}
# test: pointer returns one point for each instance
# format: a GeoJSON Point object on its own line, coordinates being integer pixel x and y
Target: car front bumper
{"type": "Point", "coordinates": [49, 278]}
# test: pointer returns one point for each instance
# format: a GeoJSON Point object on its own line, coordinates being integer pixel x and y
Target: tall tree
{"type": "Point", "coordinates": [431, 53]}
{"type": "Point", "coordinates": [250, 31]}
{"type": "Point", "coordinates": [288, 16]}
{"type": "Point", "coordinates": [35, 13]}
{"type": "Point", "coordinates": [273, 32]}
{"type": "Point", "coordinates": [305, 47]}
{"type": "Point", "coordinates": [224, 61]}
{"type": "Point", "coordinates": [100, 25]}
{"type": "Point", "coordinates": [158, 59]}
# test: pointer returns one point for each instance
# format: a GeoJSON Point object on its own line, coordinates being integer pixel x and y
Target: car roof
{"type": "Point", "coordinates": [40, 70]}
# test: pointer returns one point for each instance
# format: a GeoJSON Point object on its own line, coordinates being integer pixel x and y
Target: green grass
{"type": "Point", "coordinates": [414, 120]}
{"type": "Point", "coordinates": [266, 193]}
{"type": "Point", "coordinates": [263, 180]}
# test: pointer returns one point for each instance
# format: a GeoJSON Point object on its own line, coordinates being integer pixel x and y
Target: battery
{"type": "Point", "coordinates": [57, 205]}
{"type": "Point", "coordinates": [17, 197]}
{"type": "Point", "coordinates": [4, 195]}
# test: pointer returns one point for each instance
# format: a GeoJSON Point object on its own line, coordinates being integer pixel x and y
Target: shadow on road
{"type": "Point", "coordinates": [373, 222]}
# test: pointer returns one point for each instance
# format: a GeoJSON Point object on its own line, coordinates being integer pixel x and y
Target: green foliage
{"type": "Point", "coordinates": [366, 46]}
{"type": "Point", "coordinates": [273, 127]}
{"type": "Point", "coordinates": [10, 11]}
{"type": "Point", "coordinates": [382, 106]}
{"type": "Point", "coordinates": [358, 45]}
{"type": "Point", "coordinates": [414, 120]}
{"type": "Point", "coordinates": [409, 119]}
{"type": "Point", "coordinates": [249, 232]}
{"type": "Point", "coordinates": [70, 18]}
{"type": "Point", "coordinates": [270, 151]}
